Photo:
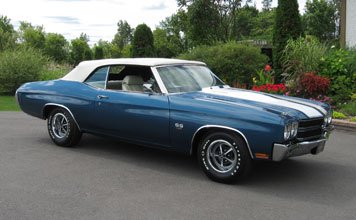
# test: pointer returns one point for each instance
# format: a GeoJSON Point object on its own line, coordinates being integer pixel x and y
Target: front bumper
{"type": "Point", "coordinates": [282, 151]}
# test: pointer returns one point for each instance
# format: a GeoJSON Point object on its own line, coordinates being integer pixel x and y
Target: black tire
{"type": "Point", "coordinates": [62, 128]}
{"type": "Point", "coordinates": [224, 157]}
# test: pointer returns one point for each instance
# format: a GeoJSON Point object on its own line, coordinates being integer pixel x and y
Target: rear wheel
{"type": "Point", "coordinates": [224, 157]}
{"type": "Point", "coordinates": [62, 128]}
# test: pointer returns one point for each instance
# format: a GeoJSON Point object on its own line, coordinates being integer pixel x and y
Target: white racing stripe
{"type": "Point", "coordinates": [321, 109]}
{"type": "Point", "coordinates": [259, 97]}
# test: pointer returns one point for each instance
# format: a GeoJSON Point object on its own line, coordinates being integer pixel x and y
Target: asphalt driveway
{"type": "Point", "coordinates": [107, 179]}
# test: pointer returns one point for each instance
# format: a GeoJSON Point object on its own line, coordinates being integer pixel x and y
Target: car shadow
{"type": "Point", "coordinates": [308, 178]}
{"type": "Point", "coordinates": [151, 158]}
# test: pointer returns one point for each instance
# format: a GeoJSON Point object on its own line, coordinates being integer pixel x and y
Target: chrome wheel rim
{"type": "Point", "coordinates": [60, 125]}
{"type": "Point", "coordinates": [222, 156]}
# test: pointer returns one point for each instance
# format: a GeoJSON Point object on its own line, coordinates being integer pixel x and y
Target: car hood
{"type": "Point", "coordinates": [283, 105]}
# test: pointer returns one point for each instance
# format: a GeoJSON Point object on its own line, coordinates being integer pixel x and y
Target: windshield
{"type": "Point", "coordinates": [187, 78]}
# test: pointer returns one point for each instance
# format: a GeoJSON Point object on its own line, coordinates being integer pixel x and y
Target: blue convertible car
{"type": "Point", "coordinates": [177, 105]}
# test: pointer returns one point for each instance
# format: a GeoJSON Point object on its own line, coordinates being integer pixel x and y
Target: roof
{"type": "Point", "coordinates": [81, 72]}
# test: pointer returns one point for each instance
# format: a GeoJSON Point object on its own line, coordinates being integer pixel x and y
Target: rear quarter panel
{"type": "Point", "coordinates": [76, 96]}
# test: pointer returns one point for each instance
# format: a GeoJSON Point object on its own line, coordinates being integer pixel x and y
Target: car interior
{"type": "Point", "coordinates": [125, 78]}
{"type": "Point", "coordinates": [131, 78]}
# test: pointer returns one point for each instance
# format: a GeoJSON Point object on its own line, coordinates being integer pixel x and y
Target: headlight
{"type": "Point", "coordinates": [290, 130]}
{"type": "Point", "coordinates": [328, 119]}
{"type": "Point", "coordinates": [294, 130]}
{"type": "Point", "coordinates": [287, 131]}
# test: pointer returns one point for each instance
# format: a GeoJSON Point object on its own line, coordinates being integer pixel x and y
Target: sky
{"type": "Point", "coordinates": [97, 18]}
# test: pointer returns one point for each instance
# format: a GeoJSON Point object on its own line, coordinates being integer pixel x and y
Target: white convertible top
{"type": "Point", "coordinates": [81, 72]}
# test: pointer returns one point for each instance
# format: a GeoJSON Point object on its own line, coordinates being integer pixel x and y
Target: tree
{"type": "Point", "coordinates": [266, 4]}
{"type": "Point", "coordinates": [142, 44]}
{"type": "Point", "coordinates": [263, 27]}
{"type": "Point", "coordinates": [176, 29]}
{"type": "Point", "coordinates": [98, 52]}
{"type": "Point", "coordinates": [215, 17]}
{"type": "Point", "coordinates": [320, 19]}
{"type": "Point", "coordinates": [109, 50]}
{"type": "Point", "coordinates": [287, 26]}
{"type": "Point", "coordinates": [7, 34]}
{"type": "Point", "coordinates": [245, 21]}
{"type": "Point", "coordinates": [56, 47]}
{"type": "Point", "coordinates": [204, 22]}
{"type": "Point", "coordinates": [32, 36]}
{"type": "Point", "coordinates": [161, 43]}
{"type": "Point", "coordinates": [80, 50]}
{"type": "Point", "coordinates": [123, 36]}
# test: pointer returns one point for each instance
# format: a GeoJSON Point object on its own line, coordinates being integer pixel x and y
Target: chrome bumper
{"type": "Point", "coordinates": [282, 151]}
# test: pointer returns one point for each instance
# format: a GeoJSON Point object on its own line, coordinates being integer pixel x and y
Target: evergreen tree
{"type": "Point", "coordinates": [142, 44]}
{"type": "Point", "coordinates": [287, 26]}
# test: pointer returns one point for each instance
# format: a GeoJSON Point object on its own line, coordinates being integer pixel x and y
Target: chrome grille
{"type": "Point", "coordinates": [310, 129]}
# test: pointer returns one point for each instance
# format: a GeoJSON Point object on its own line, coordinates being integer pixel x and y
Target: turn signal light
{"type": "Point", "coordinates": [262, 156]}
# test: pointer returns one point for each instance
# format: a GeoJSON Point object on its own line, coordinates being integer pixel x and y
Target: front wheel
{"type": "Point", "coordinates": [62, 128]}
{"type": "Point", "coordinates": [224, 157]}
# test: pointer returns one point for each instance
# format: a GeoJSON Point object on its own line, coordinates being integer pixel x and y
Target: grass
{"type": "Point", "coordinates": [349, 108]}
{"type": "Point", "coordinates": [8, 103]}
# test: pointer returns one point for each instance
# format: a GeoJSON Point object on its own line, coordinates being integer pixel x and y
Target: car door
{"type": "Point", "coordinates": [138, 116]}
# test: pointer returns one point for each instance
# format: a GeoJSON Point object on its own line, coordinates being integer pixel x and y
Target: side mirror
{"type": "Point", "coordinates": [148, 88]}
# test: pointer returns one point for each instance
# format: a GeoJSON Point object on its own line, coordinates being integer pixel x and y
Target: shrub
{"type": "Point", "coordinates": [338, 115]}
{"type": "Point", "coordinates": [301, 56]}
{"type": "Point", "coordinates": [353, 97]}
{"type": "Point", "coordinates": [311, 86]}
{"type": "Point", "coordinates": [20, 66]}
{"type": "Point", "coordinates": [54, 71]}
{"type": "Point", "coordinates": [340, 67]}
{"type": "Point", "coordinates": [235, 63]}
{"type": "Point", "coordinates": [271, 88]}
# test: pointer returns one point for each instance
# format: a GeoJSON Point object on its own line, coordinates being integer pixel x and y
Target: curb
{"type": "Point", "coordinates": [344, 125]}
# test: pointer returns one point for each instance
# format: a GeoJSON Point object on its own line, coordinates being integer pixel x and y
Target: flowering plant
{"type": "Point", "coordinates": [265, 76]}
{"type": "Point", "coordinates": [271, 88]}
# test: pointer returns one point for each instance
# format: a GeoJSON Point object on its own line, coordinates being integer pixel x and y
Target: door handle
{"type": "Point", "coordinates": [102, 97]}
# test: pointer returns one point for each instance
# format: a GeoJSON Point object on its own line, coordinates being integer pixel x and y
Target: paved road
{"type": "Point", "coordinates": [106, 179]}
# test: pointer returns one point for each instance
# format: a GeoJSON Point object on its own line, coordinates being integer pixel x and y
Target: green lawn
{"type": "Point", "coordinates": [8, 103]}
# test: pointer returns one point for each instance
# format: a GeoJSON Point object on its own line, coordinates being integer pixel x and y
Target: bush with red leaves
{"type": "Point", "coordinates": [312, 86]}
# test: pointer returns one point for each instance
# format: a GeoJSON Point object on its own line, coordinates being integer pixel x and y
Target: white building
{"type": "Point", "coordinates": [348, 23]}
